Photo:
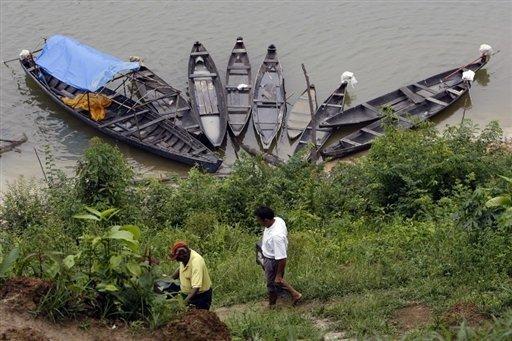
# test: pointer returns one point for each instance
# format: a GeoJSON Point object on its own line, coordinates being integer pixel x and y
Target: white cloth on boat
{"type": "Point", "coordinates": [468, 75]}
{"type": "Point", "coordinates": [24, 54]}
{"type": "Point", "coordinates": [349, 78]}
{"type": "Point", "coordinates": [242, 86]}
{"type": "Point", "coordinates": [485, 50]}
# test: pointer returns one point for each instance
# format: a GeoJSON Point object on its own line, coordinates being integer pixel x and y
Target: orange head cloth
{"type": "Point", "coordinates": [176, 246]}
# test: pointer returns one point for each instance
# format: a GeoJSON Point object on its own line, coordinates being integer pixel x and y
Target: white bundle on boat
{"type": "Point", "coordinates": [485, 50]}
{"type": "Point", "coordinates": [468, 75]}
{"type": "Point", "coordinates": [242, 86]}
{"type": "Point", "coordinates": [349, 78]}
{"type": "Point", "coordinates": [24, 54]}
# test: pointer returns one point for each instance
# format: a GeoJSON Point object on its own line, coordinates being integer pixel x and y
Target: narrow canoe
{"type": "Point", "coordinates": [432, 96]}
{"type": "Point", "coordinates": [238, 88]}
{"type": "Point", "coordinates": [207, 95]}
{"type": "Point", "coordinates": [127, 121]}
{"type": "Point", "coordinates": [300, 115]}
{"type": "Point", "coordinates": [269, 105]}
{"type": "Point", "coordinates": [332, 106]}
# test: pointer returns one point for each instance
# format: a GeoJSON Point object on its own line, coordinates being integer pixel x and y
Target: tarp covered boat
{"type": "Point", "coordinates": [71, 72]}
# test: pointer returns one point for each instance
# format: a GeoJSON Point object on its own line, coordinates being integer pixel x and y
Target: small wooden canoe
{"type": "Point", "coordinates": [128, 121]}
{"type": "Point", "coordinates": [395, 101]}
{"type": "Point", "coordinates": [269, 105]}
{"type": "Point", "coordinates": [432, 96]}
{"type": "Point", "coordinates": [332, 106]}
{"type": "Point", "coordinates": [207, 95]}
{"type": "Point", "coordinates": [238, 87]}
{"type": "Point", "coordinates": [164, 99]}
{"type": "Point", "coordinates": [300, 115]}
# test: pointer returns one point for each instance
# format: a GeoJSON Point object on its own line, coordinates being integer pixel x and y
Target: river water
{"type": "Point", "coordinates": [387, 44]}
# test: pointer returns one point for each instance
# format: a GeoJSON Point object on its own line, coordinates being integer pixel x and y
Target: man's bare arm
{"type": "Point", "coordinates": [281, 264]}
{"type": "Point", "coordinates": [192, 294]}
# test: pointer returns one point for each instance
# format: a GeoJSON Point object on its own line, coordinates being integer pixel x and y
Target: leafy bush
{"type": "Point", "coordinates": [103, 175]}
{"type": "Point", "coordinates": [24, 205]}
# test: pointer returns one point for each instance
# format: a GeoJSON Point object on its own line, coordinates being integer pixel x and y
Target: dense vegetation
{"type": "Point", "coordinates": [425, 218]}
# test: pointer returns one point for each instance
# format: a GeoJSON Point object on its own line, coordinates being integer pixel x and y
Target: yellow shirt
{"type": "Point", "coordinates": [194, 274]}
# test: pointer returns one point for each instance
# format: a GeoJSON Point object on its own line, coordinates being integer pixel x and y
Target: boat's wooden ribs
{"type": "Point", "coordinates": [123, 118]}
{"type": "Point", "coordinates": [148, 124]}
{"type": "Point", "coordinates": [411, 95]}
{"type": "Point", "coordinates": [371, 108]}
{"type": "Point", "coordinates": [204, 75]}
{"type": "Point", "coordinates": [435, 100]}
{"type": "Point", "coordinates": [372, 132]}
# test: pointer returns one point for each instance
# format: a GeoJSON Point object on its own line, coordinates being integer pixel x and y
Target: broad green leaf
{"type": "Point", "coordinates": [115, 261]}
{"type": "Point", "coordinates": [93, 211]}
{"type": "Point", "coordinates": [107, 214]}
{"type": "Point", "coordinates": [69, 261]}
{"type": "Point", "coordinates": [86, 216]}
{"type": "Point", "coordinates": [106, 287]}
{"type": "Point", "coordinates": [9, 260]}
{"type": "Point", "coordinates": [123, 235]}
{"type": "Point", "coordinates": [502, 200]}
{"type": "Point", "coordinates": [132, 245]}
{"type": "Point", "coordinates": [133, 229]}
{"type": "Point", "coordinates": [134, 268]}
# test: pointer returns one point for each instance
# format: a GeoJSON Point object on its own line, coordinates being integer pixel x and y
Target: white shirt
{"type": "Point", "coordinates": [275, 240]}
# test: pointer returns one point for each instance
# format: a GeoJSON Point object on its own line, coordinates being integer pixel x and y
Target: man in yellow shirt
{"type": "Point", "coordinates": [194, 278]}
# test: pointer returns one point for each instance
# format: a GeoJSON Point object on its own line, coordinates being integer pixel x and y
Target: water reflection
{"type": "Point", "coordinates": [482, 77]}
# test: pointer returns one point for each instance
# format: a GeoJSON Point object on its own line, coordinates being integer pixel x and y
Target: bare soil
{"type": "Point", "coordinates": [20, 296]}
{"type": "Point", "coordinates": [196, 325]}
{"type": "Point", "coordinates": [412, 316]}
{"type": "Point", "coordinates": [463, 311]}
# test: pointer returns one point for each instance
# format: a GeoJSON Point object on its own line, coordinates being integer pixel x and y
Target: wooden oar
{"type": "Point", "coordinates": [14, 59]}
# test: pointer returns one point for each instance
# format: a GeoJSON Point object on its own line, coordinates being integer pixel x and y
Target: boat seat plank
{"type": "Point", "coordinates": [205, 75]}
{"type": "Point", "coordinates": [351, 142]}
{"type": "Point", "coordinates": [371, 108]}
{"type": "Point", "coordinates": [435, 100]}
{"type": "Point", "coordinates": [239, 51]}
{"type": "Point", "coordinates": [199, 53]}
{"type": "Point", "coordinates": [270, 61]}
{"type": "Point", "coordinates": [426, 88]}
{"type": "Point", "coordinates": [123, 118]}
{"type": "Point", "coordinates": [332, 105]}
{"type": "Point", "coordinates": [370, 131]}
{"type": "Point", "coordinates": [148, 124]}
{"type": "Point", "coordinates": [237, 72]}
{"type": "Point", "coordinates": [232, 87]}
{"type": "Point", "coordinates": [412, 96]}
{"type": "Point", "coordinates": [239, 67]}
{"type": "Point", "coordinates": [455, 92]}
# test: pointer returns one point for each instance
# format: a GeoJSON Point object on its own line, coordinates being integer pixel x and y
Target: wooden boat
{"type": "Point", "coordinates": [411, 105]}
{"type": "Point", "coordinates": [164, 99]}
{"type": "Point", "coordinates": [238, 87]}
{"type": "Point", "coordinates": [269, 105]}
{"type": "Point", "coordinates": [332, 106]}
{"type": "Point", "coordinates": [207, 95]}
{"type": "Point", "coordinates": [125, 119]}
{"type": "Point", "coordinates": [300, 115]}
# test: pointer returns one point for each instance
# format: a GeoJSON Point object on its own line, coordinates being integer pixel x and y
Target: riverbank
{"type": "Point", "coordinates": [403, 242]}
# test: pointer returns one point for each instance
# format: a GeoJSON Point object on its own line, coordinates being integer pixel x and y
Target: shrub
{"type": "Point", "coordinates": [103, 175]}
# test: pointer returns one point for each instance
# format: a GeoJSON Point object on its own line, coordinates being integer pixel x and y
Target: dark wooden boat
{"type": "Point", "coordinates": [164, 99]}
{"type": "Point", "coordinates": [128, 121]}
{"type": "Point", "coordinates": [238, 87]}
{"type": "Point", "coordinates": [332, 106]}
{"type": "Point", "coordinates": [413, 104]}
{"type": "Point", "coordinates": [269, 105]}
{"type": "Point", "coordinates": [300, 115]}
{"type": "Point", "coordinates": [207, 95]}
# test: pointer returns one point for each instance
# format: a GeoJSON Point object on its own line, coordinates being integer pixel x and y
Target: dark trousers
{"type": "Point", "coordinates": [202, 300]}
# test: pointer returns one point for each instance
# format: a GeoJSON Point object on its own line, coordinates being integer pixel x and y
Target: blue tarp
{"type": "Point", "coordinates": [80, 65]}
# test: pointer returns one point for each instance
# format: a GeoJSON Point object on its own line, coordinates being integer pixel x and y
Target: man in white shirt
{"type": "Point", "coordinates": [274, 248]}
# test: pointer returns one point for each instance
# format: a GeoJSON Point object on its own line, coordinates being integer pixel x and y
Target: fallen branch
{"type": "Point", "coordinates": [12, 144]}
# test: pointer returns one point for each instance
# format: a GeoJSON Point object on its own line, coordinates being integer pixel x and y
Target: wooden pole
{"type": "Point", "coordinates": [41, 165]}
{"type": "Point", "coordinates": [314, 152]}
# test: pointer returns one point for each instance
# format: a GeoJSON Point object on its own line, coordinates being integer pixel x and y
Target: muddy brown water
{"type": "Point", "coordinates": [387, 44]}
